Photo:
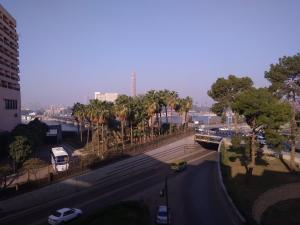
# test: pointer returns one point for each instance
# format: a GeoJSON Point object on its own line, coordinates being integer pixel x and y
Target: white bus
{"type": "Point", "coordinates": [59, 159]}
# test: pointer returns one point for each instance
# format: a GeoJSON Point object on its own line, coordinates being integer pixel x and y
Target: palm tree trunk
{"type": "Point", "coordinates": [159, 123]}
{"type": "Point", "coordinates": [92, 134]}
{"type": "Point", "coordinates": [171, 120]}
{"type": "Point", "coordinates": [81, 132]}
{"type": "Point", "coordinates": [151, 121]}
{"type": "Point", "coordinates": [144, 134]}
{"type": "Point", "coordinates": [185, 123]}
{"type": "Point", "coordinates": [98, 136]}
{"type": "Point", "coordinates": [253, 149]}
{"type": "Point", "coordinates": [88, 136]}
{"type": "Point", "coordinates": [166, 109]}
{"type": "Point", "coordinates": [131, 134]}
{"type": "Point", "coordinates": [293, 136]}
{"type": "Point", "coordinates": [102, 139]}
{"type": "Point", "coordinates": [122, 134]}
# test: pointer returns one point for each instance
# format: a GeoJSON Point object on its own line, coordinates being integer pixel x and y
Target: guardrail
{"type": "Point", "coordinates": [207, 138]}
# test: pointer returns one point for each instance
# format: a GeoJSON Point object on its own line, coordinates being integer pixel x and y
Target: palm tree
{"type": "Point", "coordinates": [164, 95]}
{"type": "Point", "coordinates": [88, 112]}
{"type": "Point", "coordinates": [122, 111]}
{"type": "Point", "coordinates": [102, 111]}
{"type": "Point", "coordinates": [172, 101]}
{"type": "Point", "coordinates": [151, 107]}
{"type": "Point", "coordinates": [188, 104]}
{"type": "Point", "coordinates": [78, 112]}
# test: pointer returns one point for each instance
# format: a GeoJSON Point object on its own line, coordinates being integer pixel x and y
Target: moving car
{"type": "Point", "coordinates": [161, 216]}
{"type": "Point", "coordinates": [179, 166]}
{"type": "Point", "coordinates": [64, 215]}
{"type": "Point", "coordinates": [261, 140]}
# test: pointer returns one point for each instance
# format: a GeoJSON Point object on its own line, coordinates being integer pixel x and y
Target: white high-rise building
{"type": "Point", "coordinates": [109, 97]}
{"type": "Point", "coordinates": [10, 96]}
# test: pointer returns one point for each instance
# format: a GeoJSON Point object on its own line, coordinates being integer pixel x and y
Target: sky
{"type": "Point", "coordinates": [71, 48]}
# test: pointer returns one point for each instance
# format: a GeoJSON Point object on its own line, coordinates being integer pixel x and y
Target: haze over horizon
{"type": "Point", "coordinates": [70, 49]}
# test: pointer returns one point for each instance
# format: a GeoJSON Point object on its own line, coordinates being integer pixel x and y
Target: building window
{"type": "Point", "coordinates": [10, 104]}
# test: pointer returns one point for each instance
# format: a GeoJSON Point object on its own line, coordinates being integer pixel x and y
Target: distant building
{"type": "Point", "coordinates": [109, 97]}
{"type": "Point", "coordinates": [10, 97]}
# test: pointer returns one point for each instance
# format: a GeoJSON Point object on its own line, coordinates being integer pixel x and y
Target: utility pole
{"type": "Point", "coordinates": [164, 192]}
{"type": "Point", "coordinates": [167, 198]}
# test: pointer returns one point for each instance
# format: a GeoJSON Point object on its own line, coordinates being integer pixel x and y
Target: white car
{"type": "Point", "coordinates": [63, 215]}
{"type": "Point", "coordinates": [161, 217]}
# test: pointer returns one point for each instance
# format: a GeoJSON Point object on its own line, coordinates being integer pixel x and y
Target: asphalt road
{"type": "Point", "coordinates": [196, 197]}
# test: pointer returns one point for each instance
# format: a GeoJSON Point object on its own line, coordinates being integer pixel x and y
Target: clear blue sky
{"type": "Point", "coordinates": [71, 48]}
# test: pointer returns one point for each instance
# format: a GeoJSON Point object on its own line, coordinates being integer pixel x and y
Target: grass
{"type": "Point", "coordinates": [285, 212]}
{"type": "Point", "coordinates": [268, 173]}
{"type": "Point", "coordinates": [125, 213]}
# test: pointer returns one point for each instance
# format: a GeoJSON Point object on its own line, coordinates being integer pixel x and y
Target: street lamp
{"type": "Point", "coordinates": [164, 192]}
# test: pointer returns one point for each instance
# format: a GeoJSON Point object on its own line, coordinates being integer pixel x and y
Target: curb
{"type": "Point", "coordinates": [237, 212]}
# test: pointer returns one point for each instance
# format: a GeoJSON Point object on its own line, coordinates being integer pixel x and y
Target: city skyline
{"type": "Point", "coordinates": [179, 46]}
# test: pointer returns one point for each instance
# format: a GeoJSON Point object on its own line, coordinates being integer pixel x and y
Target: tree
{"type": "Point", "coordinates": [285, 84]}
{"type": "Point", "coordinates": [224, 92]}
{"type": "Point", "coordinates": [78, 112]}
{"type": "Point", "coordinates": [122, 111]}
{"type": "Point", "coordinates": [33, 165]}
{"type": "Point", "coordinates": [151, 107]}
{"type": "Point", "coordinates": [100, 112]}
{"type": "Point", "coordinates": [35, 131]}
{"type": "Point", "coordinates": [40, 129]}
{"type": "Point", "coordinates": [172, 99]}
{"type": "Point", "coordinates": [187, 105]}
{"type": "Point", "coordinates": [5, 170]}
{"type": "Point", "coordinates": [262, 111]}
{"type": "Point", "coordinates": [19, 151]}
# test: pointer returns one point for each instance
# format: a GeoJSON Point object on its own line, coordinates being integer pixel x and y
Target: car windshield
{"type": "Point", "coordinates": [61, 159]}
{"type": "Point", "coordinates": [162, 214]}
{"type": "Point", "coordinates": [56, 214]}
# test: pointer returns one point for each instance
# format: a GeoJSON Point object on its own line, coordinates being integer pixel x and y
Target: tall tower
{"type": "Point", "coordinates": [133, 84]}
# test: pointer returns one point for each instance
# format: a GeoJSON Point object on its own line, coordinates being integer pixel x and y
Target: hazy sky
{"type": "Point", "coordinates": [71, 48]}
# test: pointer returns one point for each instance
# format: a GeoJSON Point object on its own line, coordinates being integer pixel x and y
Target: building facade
{"type": "Point", "coordinates": [10, 97]}
{"type": "Point", "coordinates": [109, 97]}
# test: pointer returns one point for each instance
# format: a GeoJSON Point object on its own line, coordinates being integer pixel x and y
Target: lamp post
{"type": "Point", "coordinates": [164, 192]}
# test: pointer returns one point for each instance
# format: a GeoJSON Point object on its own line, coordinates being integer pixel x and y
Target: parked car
{"type": "Point", "coordinates": [161, 215]}
{"type": "Point", "coordinates": [178, 166]}
{"type": "Point", "coordinates": [64, 215]}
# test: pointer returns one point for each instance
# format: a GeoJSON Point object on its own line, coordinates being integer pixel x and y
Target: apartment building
{"type": "Point", "coordinates": [10, 96]}
{"type": "Point", "coordinates": [109, 97]}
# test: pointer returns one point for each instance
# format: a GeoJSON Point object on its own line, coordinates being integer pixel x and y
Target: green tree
{"type": "Point", "coordinates": [5, 170]}
{"type": "Point", "coordinates": [122, 110]}
{"type": "Point", "coordinates": [285, 83]}
{"type": "Point", "coordinates": [262, 111]}
{"type": "Point", "coordinates": [101, 111]}
{"type": "Point", "coordinates": [19, 150]}
{"type": "Point", "coordinates": [151, 106]}
{"type": "Point", "coordinates": [224, 92]}
{"type": "Point", "coordinates": [187, 106]}
{"type": "Point", "coordinates": [172, 100]}
{"type": "Point", "coordinates": [79, 113]}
